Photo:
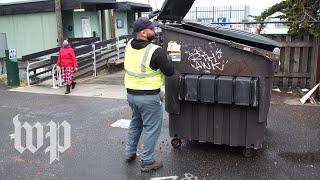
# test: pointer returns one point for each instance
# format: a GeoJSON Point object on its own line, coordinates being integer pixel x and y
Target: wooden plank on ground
{"type": "Point", "coordinates": [308, 95]}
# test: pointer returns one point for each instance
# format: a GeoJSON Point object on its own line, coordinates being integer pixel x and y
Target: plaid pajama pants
{"type": "Point", "coordinates": [67, 74]}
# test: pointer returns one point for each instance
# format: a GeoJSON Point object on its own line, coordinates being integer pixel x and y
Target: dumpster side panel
{"type": "Point", "coordinates": [218, 124]}
{"type": "Point", "coordinates": [219, 93]}
{"type": "Point", "coordinates": [226, 125]}
{"type": "Point", "coordinates": [172, 103]}
{"type": "Point", "coordinates": [238, 119]}
{"type": "Point", "coordinates": [191, 87]}
{"type": "Point", "coordinates": [255, 130]}
{"type": "Point", "coordinates": [265, 96]}
{"type": "Point", "coordinates": [195, 124]}
{"type": "Point", "coordinates": [225, 90]}
{"type": "Point", "coordinates": [210, 124]}
{"type": "Point", "coordinates": [203, 56]}
{"type": "Point", "coordinates": [207, 88]}
{"type": "Point", "coordinates": [203, 122]}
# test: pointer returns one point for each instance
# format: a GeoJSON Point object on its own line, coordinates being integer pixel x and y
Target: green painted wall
{"type": "Point", "coordinates": [94, 22]}
{"type": "Point", "coordinates": [131, 19]}
{"type": "Point", "coordinates": [128, 20]}
{"type": "Point", "coordinates": [68, 26]}
{"type": "Point", "coordinates": [123, 17]}
{"type": "Point", "coordinates": [29, 33]}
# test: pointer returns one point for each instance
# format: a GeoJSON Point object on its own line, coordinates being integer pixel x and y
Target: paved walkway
{"type": "Point", "coordinates": [104, 86]}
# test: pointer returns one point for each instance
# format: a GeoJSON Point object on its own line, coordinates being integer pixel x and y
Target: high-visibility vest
{"type": "Point", "coordinates": [139, 75]}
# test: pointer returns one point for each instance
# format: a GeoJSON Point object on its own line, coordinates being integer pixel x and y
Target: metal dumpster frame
{"type": "Point", "coordinates": [221, 89]}
{"type": "Point", "coordinates": [219, 123]}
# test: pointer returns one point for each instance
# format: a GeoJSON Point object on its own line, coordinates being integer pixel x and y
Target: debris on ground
{"type": "Point", "coordinates": [276, 90]}
{"type": "Point", "coordinates": [309, 94]}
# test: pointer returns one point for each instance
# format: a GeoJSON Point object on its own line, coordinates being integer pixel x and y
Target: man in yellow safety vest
{"type": "Point", "coordinates": [145, 64]}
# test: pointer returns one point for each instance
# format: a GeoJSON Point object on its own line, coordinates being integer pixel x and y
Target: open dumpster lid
{"type": "Point", "coordinates": [239, 36]}
{"type": "Point", "coordinates": [175, 10]}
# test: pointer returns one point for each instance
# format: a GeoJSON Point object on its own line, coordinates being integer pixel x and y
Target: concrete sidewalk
{"type": "Point", "coordinates": [104, 86]}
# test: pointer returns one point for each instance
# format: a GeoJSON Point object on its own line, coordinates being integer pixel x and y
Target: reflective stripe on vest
{"type": "Point", "coordinates": [143, 64]}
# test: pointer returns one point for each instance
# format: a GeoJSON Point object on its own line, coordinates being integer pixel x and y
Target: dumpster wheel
{"type": "Point", "coordinates": [176, 142]}
{"type": "Point", "coordinates": [248, 152]}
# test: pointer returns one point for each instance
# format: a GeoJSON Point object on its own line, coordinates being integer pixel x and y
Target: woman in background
{"type": "Point", "coordinates": [68, 63]}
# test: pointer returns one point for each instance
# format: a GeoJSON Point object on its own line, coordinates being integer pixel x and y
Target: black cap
{"type": "Point", "coordinates": [143, 23]}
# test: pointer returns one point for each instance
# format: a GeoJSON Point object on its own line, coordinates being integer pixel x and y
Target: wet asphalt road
{"type": "Point", "coordinates": [291, 149]}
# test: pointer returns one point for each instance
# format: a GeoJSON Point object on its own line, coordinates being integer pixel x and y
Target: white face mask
{"type": "Point", "coordinates": [65, 43]}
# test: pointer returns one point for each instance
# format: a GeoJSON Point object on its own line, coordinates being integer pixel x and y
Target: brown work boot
{"type": "Point", "coordinates": [153, 166]}
{"type": "Point", "coordinates": [131, 158]}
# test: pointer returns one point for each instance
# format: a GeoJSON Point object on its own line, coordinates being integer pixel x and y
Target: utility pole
{"type": "Point", "coordinates": [59, 21]}
{"type": "Point", "coordinates": [112, 23]}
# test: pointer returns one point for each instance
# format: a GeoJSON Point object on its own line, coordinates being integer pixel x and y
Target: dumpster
{"type": "Point", "coordinates": [221, 90]}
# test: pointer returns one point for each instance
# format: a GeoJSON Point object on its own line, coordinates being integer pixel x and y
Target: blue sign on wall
{"type": "Point", "coordinates": [120, 23]}
{"type": "Point", "coordinates": [222, 21]}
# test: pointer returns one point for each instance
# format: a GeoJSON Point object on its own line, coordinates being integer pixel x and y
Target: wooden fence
{"type": "Point", "coordinates": [300, 61]}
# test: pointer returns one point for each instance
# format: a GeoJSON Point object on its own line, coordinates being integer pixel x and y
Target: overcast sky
{"type": "Point", "coordinates": [256, 6]}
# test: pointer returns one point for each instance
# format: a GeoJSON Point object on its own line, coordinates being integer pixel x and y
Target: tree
{"type": "Point", "coordinates": [303, 16]}
{"type": "Point", "coordinates": [59, 21]}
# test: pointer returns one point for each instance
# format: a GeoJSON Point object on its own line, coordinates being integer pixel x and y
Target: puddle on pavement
{"type": "Point", "coordinates": [306, 157]}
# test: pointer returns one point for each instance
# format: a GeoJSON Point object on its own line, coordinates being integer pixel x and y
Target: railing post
{"type": "Point", "coordinates": [118, 48]}
{"type": "Point", "coordinates": [28, 75]}
{"type": "Point", "coordinates": [53, 77]}
{"type": "Point", "coordinates": [94, 60]}
{"type": "Point", "coordinates": [59, 77]}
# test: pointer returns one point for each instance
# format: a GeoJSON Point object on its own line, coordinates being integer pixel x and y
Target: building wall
{"type": "Point", "coordinates": [94, 22]}
{"type": "Point", "coordinates": [128, 20]}
{"type": "Point", "coordinates": [68, 24]}
{"type": "Point", "coordinates": [108, 28]}
{"type": "Point", "coordinates": [131, 19]}
{"type": "Point", "coordinates": [121, 16]}
{"type": "Point", "coordinates": [29, 33]}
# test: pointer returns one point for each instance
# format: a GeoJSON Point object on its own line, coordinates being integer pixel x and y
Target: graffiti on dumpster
{"type": "Point", "coordinates": [202, 60]}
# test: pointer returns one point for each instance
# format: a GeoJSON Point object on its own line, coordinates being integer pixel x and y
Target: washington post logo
{"type": "Point", "coordinates": [54, 148]}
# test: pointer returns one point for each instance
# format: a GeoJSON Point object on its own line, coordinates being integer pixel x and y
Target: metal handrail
{"type": "Point", "coordinates": [59, 78]}
{"type": "Point", "coordinates": [57, 81]}
{"type": "Point", "coordinates": [30, 64]}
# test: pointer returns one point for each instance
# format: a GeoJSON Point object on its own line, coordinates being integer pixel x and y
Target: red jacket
{"type": "Point", "coordinates": [67, 58]}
